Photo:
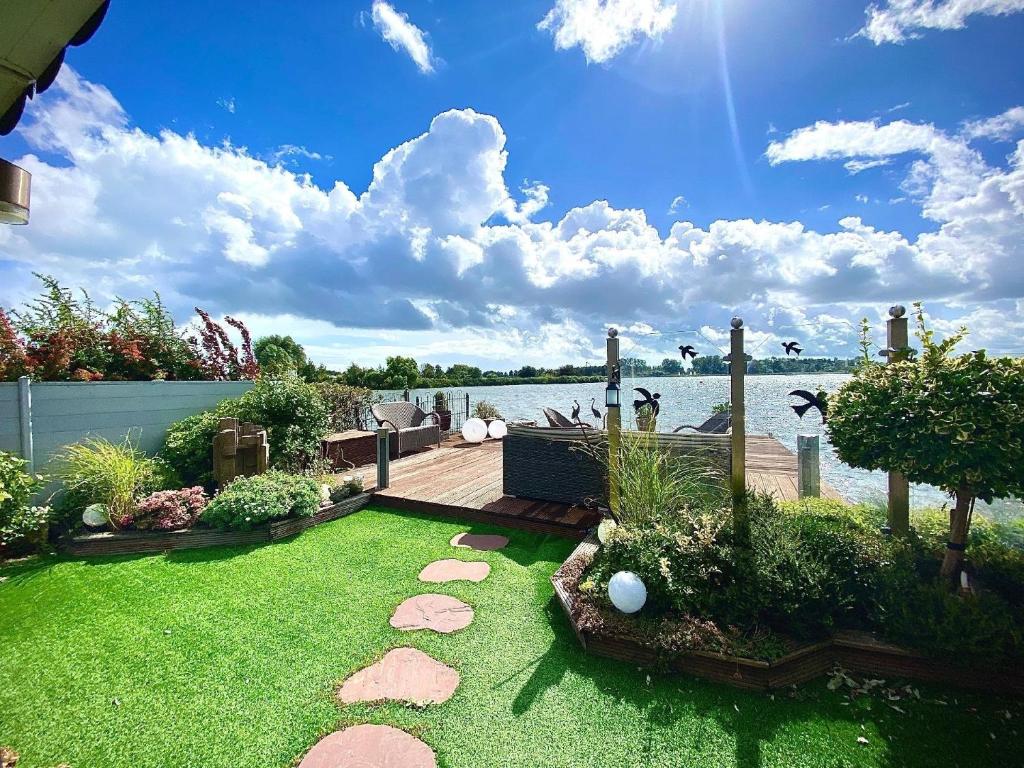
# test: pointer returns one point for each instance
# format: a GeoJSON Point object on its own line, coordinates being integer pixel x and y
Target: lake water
{"type": "Point", "coordinates": [688, 400]}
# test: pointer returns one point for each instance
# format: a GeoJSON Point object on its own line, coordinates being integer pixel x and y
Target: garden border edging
{"type": "Point", "coordinates": [148, 542]}
{"type": "Point", "coordinates": [858, 652]}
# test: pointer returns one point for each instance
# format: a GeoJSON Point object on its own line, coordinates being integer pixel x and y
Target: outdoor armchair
{"type": "Point", "coordinates": [408, 425]}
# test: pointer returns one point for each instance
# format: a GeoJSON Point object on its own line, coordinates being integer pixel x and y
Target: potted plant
{"type": "Point", "coordinates": [486, 411]}
{"type": "Point", "coordinates": [646, 421]}
{"type": "Point", "coordinates": [444, 413]}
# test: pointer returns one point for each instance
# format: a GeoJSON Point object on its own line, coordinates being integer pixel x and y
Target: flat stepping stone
{"type": "Point", "coordinates": [482, 542]}
{"type": "Point", "coordinates": [369, 746]}
{"type": "Point", "coordinates": [440, 613]}
{"type": "Point", "coordinates": [440, 571]}
{"type": "Point", "coordinates": [404, 674]}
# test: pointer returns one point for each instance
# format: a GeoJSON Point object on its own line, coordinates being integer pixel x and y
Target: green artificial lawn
{"type": "Point", "coordinates": [229, 657]}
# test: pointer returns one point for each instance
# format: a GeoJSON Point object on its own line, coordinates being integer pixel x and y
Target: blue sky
{"type": "Point", "coordinates": [828, 159]}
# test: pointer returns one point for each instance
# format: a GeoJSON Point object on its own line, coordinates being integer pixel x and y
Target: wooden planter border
{"type": "Point", "coordinates": [140, 542]}
{"type": "Point", "coordinates": [858, 652]}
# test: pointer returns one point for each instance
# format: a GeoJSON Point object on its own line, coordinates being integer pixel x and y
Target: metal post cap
{"type": "Point", "coordinates": [736, 322]}
{"type": "Point", "coordinates": [613, 332]}
{"type": "Point", "coordinates": [897, 311]}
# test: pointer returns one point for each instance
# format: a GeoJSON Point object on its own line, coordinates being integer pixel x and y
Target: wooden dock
{"type": "Point", "coordinates": [464, 481]}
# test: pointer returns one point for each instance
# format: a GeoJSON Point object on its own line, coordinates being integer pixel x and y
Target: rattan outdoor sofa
{"type": "Point", "coordinates": [406, 423]}
{"type": "Point", "coordinates": [560, 464]}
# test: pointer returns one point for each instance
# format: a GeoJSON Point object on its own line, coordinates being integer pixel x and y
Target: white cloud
{"type": "Point", "coordinates": [1000, 128]}
{"type": "Point", "coordinates": [227, 104]}
{"type": "Point", "coordinates": [895, 21]}
{"type": "Point", "coordinates": [437, 257]}
{"type": "Point", "coordinates": [678, 203]}
{"type": "Point", "coordinates": [603, 28]}
{"type": "Point", "coordinates": [856, 166]}
{"type": "Point", "coordinates": [403, 35]}
{"type": "Point", "coordinates": [290, 154]}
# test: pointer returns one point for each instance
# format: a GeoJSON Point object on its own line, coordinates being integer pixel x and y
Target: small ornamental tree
{"type": "Point", "coordinates": [952, 421]}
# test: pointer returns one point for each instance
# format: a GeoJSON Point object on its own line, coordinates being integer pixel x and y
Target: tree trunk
{"type": "Point", "coordinates": [959, 520]}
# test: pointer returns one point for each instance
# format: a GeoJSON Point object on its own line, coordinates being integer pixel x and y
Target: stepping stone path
{"type": "Point", "coordinates": [454, 570]}
{"type": "Point", "coordinates": [482, 542]}
{"type": "Point", "coordinates": [404, 674]}
{"type": "Point", "coordinates": [440, 613]}
{"type": "Point", "coordinates": [369, 746]}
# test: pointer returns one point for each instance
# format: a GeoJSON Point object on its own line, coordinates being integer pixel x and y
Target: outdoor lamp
{"type": "Point", "coordinates": [15, 184]}
{"type": "Point", "coordinates": [611, 395]}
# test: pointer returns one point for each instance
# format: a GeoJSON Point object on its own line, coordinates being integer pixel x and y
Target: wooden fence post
{"type": "Point", "coordinates": [25, 421]}
{"type": "Point", "coordinates": [737, 371]}
{"type": "Point", "coordinates": [383, 458]}
{"type": "Point", "coordinates": [808, 466]}
{"type": "Point", "coordinates": [896, 342]}
{"type": "Point", "coordinates": [614, 420]}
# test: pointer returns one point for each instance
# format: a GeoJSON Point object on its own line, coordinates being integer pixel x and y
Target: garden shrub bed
{"type": "Point", "coordinates": [139, 542]}
{"type": "Point", "coordinates": [662, 643]}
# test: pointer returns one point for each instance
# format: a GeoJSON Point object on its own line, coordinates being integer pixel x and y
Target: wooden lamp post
{"type": "Point", "coordinates": [613, 403]}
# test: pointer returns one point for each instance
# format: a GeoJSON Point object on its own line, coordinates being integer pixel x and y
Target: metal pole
{"type": "Point", "coordinates": [808, 466]}
{"type": "Point", "coordinates": [737, 370]}
{"type": "Point", "coordinates": [467, 405]}
{"type": "Point", "coordinates": [383, 458]}
{"type": "Point", "coordinates": [897, 341]}
{"type": "Point", "coordinates": [614, 419]}
{"type": "Point", "coordinates": [25, 419]}
{"type": "Point", "coordinates": [405, 395]}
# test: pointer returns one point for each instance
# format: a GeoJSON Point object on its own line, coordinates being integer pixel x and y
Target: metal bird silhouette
{"type": "Point", "coordinates": [687, 351]}
{"type": "Point", "coordinates": [819, 401]}
{"type": "Point", "coordinates": [792, 346]}
{"type": "Point", "coordinates": [593, 410]}
{"type": "Point", "coordinates": [648, 399]}
{"type": "Point", "coordinates": [576, 410]}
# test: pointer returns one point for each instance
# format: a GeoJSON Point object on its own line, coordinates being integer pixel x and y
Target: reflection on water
{"type": "Point", "coordinates": [688, 400]}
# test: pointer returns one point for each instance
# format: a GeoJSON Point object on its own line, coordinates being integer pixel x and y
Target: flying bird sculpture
{"type": "Point", "coordinates": [791, 347]}
{"type": "Point", "coordinates": [819, 401]}
{"type": "Point", "coordinates": [687, 351]}
{"type": "Point", "coordinates": [647, 399]}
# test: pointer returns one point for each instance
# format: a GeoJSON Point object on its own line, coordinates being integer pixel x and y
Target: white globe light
{"type": "Point", "coordinates": [497, 429]}
{"type": "Point", "coordinates": [474, 430]}
{"type": "Point", "coordinates": [627, 592]}
{"type": "Point", "coordinates": [95, 516]}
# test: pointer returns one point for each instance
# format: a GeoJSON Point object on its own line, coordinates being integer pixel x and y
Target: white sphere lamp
{"type": "Point", "coordinates": [497, 429]}
{"type": "Point", "coordinates": [95, 516]}
{"type": "Point", "coordinates": [627, 592]}
{"type": "Point", "coordinates": [474, 430]}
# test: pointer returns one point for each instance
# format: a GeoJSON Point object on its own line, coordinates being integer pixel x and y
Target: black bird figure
{"type": "Point", "coordinates": [792, 346]}
{"type": "Point", "coordinates": [593, 410]}
{"type": "Point", "coordinates": [819, 401]}
{"type": "Point", "coordinates": [687, 351]}
{"type": "Point", "coordinates": [648, 399]}
{"type": "Point", "coordinates": [576, 411]}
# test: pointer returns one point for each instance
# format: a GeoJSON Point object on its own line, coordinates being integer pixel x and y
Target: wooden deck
{"type": "Point", "coordinates": [464, 481]}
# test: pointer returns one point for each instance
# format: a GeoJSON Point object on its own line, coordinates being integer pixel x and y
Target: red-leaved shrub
{"type": "Point", "coordinates": [171, 510]}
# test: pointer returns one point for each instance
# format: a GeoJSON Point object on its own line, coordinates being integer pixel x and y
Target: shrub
{"type": "Point", "coordinates": [953, 421]}
{"type": "Point", "coordinates": [653, 482]}
{"type": "Point", "coordinates": [251, 501]}
{"type": "Point", "coordinates": [485, 410]}
{"type": "Point", "coordinates": [171, 510]}
{"type": "Point", "coordinates": [188, 445]}
{"type": "Point", "coordinates": [292, 411]}
{"type": "Point", "coordinates": [928, 616]}
{"type": "Point", "coordinates": [96, 471]}
{"type": "Point", "coordinates": [19, 520]}
{"type": "Point", "coordinates": [345, 404]}
{"type": "Point", "coordinates": [294, 415]}
{"type": "Point", "coordinates": [683, 559]}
